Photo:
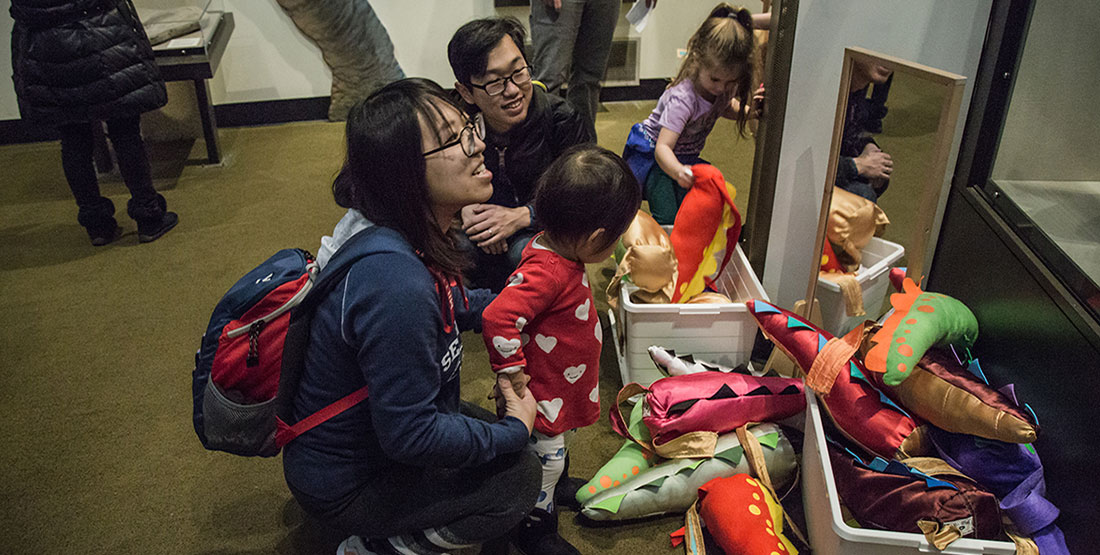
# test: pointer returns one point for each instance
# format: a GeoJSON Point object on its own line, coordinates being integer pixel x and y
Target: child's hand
{"type": "Point", "coordinates": [519, 382]}
{"type": "Point", "coordinates": [519, 385]}
{"type": "Point", "coordinates": [684, 177]}
{"type": "Point", "coordinates": [510, 403]}
{"type": "Point", "coordinates": [756, 105]}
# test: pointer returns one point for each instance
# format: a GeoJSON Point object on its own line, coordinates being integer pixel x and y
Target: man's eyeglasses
{"type": "Point", "coordinates": [521, 76]}
{"type": "Point", "coordinates": [474, 126]}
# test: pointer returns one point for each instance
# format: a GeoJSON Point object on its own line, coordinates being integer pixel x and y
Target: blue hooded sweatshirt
{"type": "Point", "coordinates": [388, 327]}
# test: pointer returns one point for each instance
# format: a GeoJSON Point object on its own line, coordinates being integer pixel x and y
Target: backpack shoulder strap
{"type": "Point", "coordinates": [297, 341]}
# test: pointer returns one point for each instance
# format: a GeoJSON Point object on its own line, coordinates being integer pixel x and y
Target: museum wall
{"type": "Point", "coordinates": [268, 59]}
{"type": "Point", "coordinates": [940, 34]}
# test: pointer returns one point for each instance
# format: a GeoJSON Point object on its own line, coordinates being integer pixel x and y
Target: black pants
{"type": "Point", "coordinates": [467, 506]}
{"type": "Point", "coordinates": [96, 211]}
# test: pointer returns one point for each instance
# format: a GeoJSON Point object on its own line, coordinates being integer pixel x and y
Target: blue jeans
{"type": "Point", "coordinates": [491, 271]}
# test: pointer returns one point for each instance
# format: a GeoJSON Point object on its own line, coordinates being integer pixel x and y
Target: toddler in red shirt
{"type": "Point", "coordinates": [543, 325]}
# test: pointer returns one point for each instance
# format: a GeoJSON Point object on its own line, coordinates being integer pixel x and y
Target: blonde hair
{"type": "Point", "coordinates": [725, 39]}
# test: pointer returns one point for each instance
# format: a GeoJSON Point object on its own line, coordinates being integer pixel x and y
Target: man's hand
{"type": "Point", "coordinates": [873, 163]}
{"type": "Point", "coordinates": [489, 226]}
{"type": "Point", "coordinates": [553, 4]}
{"type": "Point", "coordinates": [510, 403]}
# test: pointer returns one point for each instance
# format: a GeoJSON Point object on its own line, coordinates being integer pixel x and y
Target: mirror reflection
{"type": "Point", "coordinates": [894, 126]}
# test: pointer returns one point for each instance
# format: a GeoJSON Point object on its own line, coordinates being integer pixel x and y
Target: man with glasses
{"type": "Point", "coordinates": [525, 130]}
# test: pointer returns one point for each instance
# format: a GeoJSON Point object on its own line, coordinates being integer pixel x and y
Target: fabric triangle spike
{"type": "Point", "coordinates": [933, 483]}
{"type": "Point", "coordinates": [611, 505]}
{"type": "Point", "coordinates": [886, 401]}
{"type": "Point", "coordinates": [770, 440]}
{"type": "Point", "coordinates": [976, 369]}
{"type": "Point", "coordinates": [763, 307]}
{"type": "Point", "coordinates": [1009, 391]}
{"type": "Point", "coordinates": [855, 371]}
{"type": "Point", "coordinates": [1034, 416]}
{"type": "Point", "coordinates": [794, 323]}
{"type": "Point", "coordinates": [732, 455]}
{"type": "Point", "coordinates": [879, 464]}
{"type": "Point", "coordinates": [821, 341]}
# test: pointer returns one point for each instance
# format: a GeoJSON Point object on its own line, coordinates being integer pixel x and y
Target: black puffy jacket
{"type": "Point", "coordinates": [519, 158]}
{"type": "Point", "coordinates": [82, 60]}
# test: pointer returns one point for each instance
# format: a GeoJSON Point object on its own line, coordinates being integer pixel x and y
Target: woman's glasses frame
{"type": "Point", "coordinates": [519, 77]}
{"type": "Point", "coordinates": [474, 126]}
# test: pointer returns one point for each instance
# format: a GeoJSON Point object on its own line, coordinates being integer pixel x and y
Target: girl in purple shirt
{"type": "Point", "coordinates": [715, 80]}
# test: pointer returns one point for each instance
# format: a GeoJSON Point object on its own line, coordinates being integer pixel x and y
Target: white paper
{"type": "Point", "coordinates": [638, 15]}
{"type": "Point", "coordinates": [183, 43]}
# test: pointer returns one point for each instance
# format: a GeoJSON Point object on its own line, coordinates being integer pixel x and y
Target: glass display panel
{"type": "Point", "coordinates": [1045, 178]}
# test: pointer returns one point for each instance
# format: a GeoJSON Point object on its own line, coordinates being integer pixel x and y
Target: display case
{"type": "Point", "coordinates": [189, 38]}
{"type": "Point", "coordinates": [1045, 176]}
{"type": "Point", "coordinates": [1019, 238]}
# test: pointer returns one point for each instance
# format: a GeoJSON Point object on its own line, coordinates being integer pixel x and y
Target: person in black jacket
{"type": "Point", "coordinates": [76, 63]}
{"type": "Point", "coordinates": [527, 128]}
{"type": "Point", "coordinates": [863, 168]}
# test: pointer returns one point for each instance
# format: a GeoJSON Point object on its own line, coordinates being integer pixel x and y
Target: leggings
{"type": "Point", "coordinates": [462, 506]}
{"type": "Point", "coordinates": [133, 162]}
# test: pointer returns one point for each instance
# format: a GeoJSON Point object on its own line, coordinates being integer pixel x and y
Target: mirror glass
{"type": "Point", "coordinates": [894, 126]}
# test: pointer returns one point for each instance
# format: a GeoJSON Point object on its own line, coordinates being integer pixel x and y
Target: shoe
{"type": "Point", "coordinates": [354, 545]}
{"type": "Point", "coordinates": [538, 535]}
{"type": "Point", "coordinates": [100, 238]}
{"type": "Point", "coordinates": [565, 492]}
{"type": "Point", "coordinates": [150, 233]}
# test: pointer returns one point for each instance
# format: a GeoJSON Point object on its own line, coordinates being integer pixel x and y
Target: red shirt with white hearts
{"type": "Point", "coordinates": [545, 322]}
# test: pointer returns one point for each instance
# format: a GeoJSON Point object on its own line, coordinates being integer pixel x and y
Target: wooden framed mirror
{"type": "Point", "coordinates": [907, 112]}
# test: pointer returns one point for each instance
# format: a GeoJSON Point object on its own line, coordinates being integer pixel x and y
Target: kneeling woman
{"type": "Point", "coordinates": [412, 468]}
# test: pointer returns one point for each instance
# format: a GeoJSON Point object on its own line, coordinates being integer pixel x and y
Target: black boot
{"type": "Point", "coordinates": [99, 221]}
{"type": "Point", "coordinates": [565, 492]}
{"type": "Point", "coordinates": [152, 217]}
{"type": "Point", "coordinates": [538, 535]}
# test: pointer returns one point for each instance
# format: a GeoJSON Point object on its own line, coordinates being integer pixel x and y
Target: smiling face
{"type": "Point", "coordinates": [505, 110]}
{"type": "Point", "coordinates": [454, 179]}
{"type": "Point", "coordinates": [715, 81]}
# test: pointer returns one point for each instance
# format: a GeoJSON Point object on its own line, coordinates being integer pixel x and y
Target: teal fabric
{"type": "Point", "coordinates": [664, 195]}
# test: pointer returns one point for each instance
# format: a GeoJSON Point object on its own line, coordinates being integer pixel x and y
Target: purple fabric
{"type": "Point", "coordinates": [1014, 474]}
{"type": "Point", "coordinates": [682, 110]}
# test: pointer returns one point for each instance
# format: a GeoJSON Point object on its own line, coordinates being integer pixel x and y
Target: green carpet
{"type": "Point", "coordinates": [98, 343]}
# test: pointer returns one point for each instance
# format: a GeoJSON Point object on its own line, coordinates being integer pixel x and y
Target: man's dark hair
{"type": "Point", "coordinates": [384, 174]}
{"type": "Point", "coordinates": [587, 188]}
{"type": "Point", "coordinates": [469, 48]}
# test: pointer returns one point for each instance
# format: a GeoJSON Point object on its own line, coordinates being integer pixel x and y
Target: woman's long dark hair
{"type": "Point", "coordinates": [384, 173]}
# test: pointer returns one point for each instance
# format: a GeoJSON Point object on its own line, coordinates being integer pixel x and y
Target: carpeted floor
{"type": "Point", "coordinates": [98, 451]}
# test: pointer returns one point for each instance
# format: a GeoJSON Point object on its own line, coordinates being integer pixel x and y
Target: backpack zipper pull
{"type": "Point", "coordinates": [254, 330]}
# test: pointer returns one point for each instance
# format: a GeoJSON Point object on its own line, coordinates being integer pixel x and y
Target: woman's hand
{"type": "Point", "coordinates": [521, 406]}
{"type": "Point", "coordinates": [873, 163]}
{"type": "Point", "coordinates": [489, 225]}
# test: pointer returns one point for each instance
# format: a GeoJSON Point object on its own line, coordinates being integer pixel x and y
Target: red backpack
{"type": "Point", "coordinates": [252, 355]}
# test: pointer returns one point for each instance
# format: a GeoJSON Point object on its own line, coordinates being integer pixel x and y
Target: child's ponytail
{"type": "Point", "coordinates": [742, 15]}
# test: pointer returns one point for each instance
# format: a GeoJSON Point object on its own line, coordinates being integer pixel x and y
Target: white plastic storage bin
{"type": "Point", "coordinates": [717, 333]}
{"type": "Point", "coordinates": [873, 277]}
{"type": "Point", "coordinates": [829, 535]}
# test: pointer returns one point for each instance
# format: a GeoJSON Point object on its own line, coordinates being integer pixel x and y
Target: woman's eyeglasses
{"type": "Point", "coordinates": [474, 126]}
{"type": "Point", "coordinates": [521, 76]}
